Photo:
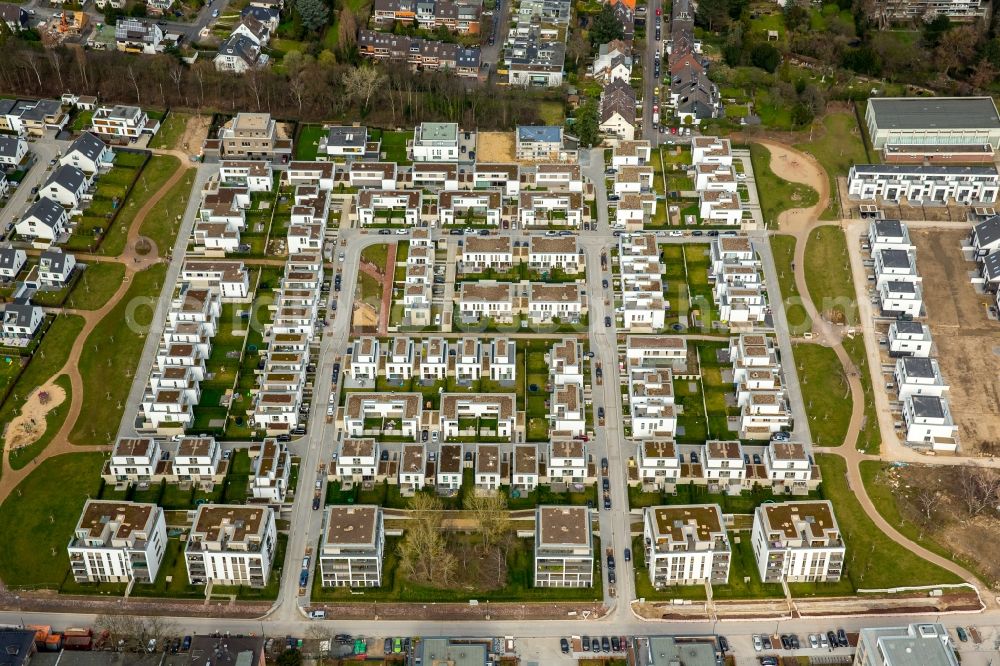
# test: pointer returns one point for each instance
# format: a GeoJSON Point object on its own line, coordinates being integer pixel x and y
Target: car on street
{"type": "Point", "coordinates": [607, 502]}
{"type": "Point", "coordinates": [595, 644]}
{"type": "Point", "coordinates": [215, 13]}
{"type": "Point", "coordinates": [303, 577]}
{"type": "Point", "coordinates": [316, 503]}
{"type": "Point", "coordinates": [813, 641]}
{"type": "Point", "coordinates": [723, 644]}
{"type": "Point", "coordinates": [616, 645]}
{"type": "Point", "coordinates": [768, 661]}
{"type": "Point", "coordinates": [604, 283]}
{"type": "Point", "coordinates": [676, 233]}
{"type": "Point", "coordinates": [607, 322]}
{"type": "Point", "coordinates": [387, 646]}
{"type": "Point", "coordinates": [564, 645]}
{"type": "Point", "coordinates": [758, 644]}
{"type": "Point", "coordinates": [962, 635]}
{"type": "Point", "coordinates": [628, 554]}
{"type": "Point", "coordinates": [793, 639]}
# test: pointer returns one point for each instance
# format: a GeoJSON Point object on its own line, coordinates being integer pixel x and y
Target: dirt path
{"type": "Point", "coordinates": [795, 166]}
{"type": "Point", "coordinates": [134, 261]}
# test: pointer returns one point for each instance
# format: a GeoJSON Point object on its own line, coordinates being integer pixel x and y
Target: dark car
{"type": "Point", "coordinates": [423, 436]}
{"type": "Point", "coordinates": [595, 644]}
{"type": "Point", "coordinates": [606, 644]}
{"type": "Point", "coordinates": [384, 232]}
{"type": "Point", "coordinates": [616, 645]}
{"type": "Point", "coordinates": [628, 554]}
{"type": "Point", "coordinates": [605, 484]}
{"type": "Point", "coordinates": [756, 459]}
{"type": "Point", "coordinates": [600, 412]}
{"type": "Point", "coordinates": [176, 646]}
{"type": "Point", "coordinates": [794, 640]}
{"type": "Point", "coordinates": [315, 504]}
{"type": "Point", "coordinates": [611, 561]}
{"type": "Point", "coordinates": [962, 636]}
{"type": "Point", "coordinates": [585, 642]}
{"type": "Point", "coordinates": [284, 438]}
{"type": "Point", "coordinates": [832, 637]}
{"type": "Point", "coordinates": [607, 322]}
{"type": "Point", "coordinates": [766, 640]}
{"type": "Point", "coordinates": [842, 638]}
{"type": "Point", "coordinates": [611, 579]}
{"type": "Point", "coordinates": [564, 645]}
{"type": "Point", "coordinates": [697, 232]}
{"type": "Point", "coordinates": [786, 642]}
{"type": "Point", "coordinates": [604, 283]}
{"type": "Point", "coordinates": [607, 503]}
{"type": "Point", "coordinates": [387, 646]}
{"type": "Point", "coordinates": [303, 578]}
{"type": "Point", "coordinates": [768, 661]}
{"type": "Point", "coordinates": [723, 644]}
{"type": "Point", "coordinates": [186, 644]}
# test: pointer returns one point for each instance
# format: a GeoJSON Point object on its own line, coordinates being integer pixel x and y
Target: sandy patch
{"type": "Point", "coordinates": [365, 315]}
{"type": "Point", "coordinates": [495, 147]}
{"type": "Point", "coordinates": [29, 425]}
{"type": "Point", "coordinates": [798, 167]}
{"type": "Point", "coordinates": [195, 133]}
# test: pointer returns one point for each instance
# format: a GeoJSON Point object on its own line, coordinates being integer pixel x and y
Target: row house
{"type": "Point", "coordinates": [651, 403]}
{"type": "Point", "coordinates": [655, 350]}
{"type": "Point", "coordinates": [567, 410]}
{"type": "Point", "coordinates": [525, 473]}
{"type": "Point", "coordinates": [376, 175]}
{"type": "Point", "coordinates": [412, 468]}
{"type": "Point", "coordinates": [658, 464]}
{"type": "Point", "coordinates": [476, 415]}
{"type": "Point", "coordinates": [385, 206]}
{"type": "Point", "coordinates": [539, 209]}
{"type": "Point", "coordinates": [486, 298]}
{"type": "Point", "coordinates": [483, 253]}
{"type": "Point", "coordinates": [559, 176]}
{"type": "Point", "coordinates": [441, 176]}
{"type": "Point", "coordinates": [270, 471]}
{"type": "Point", "coordinates": [565, 302]}
{"type": "Point", "coordinates": [450, 468]}
{"type": "Point", "coordinates": [392, 414]}
{"type": "Point", "coordinates": [434, 360]}
{"type": "Point", "coordinates": [554, 253]}
{"type": "Point", "coordinates": [469, 360]}
{"type": "Point", "coordinates": [253, 175]}
{"type": "Point", "coordinates": [489, 469]}
{"type": "Point", "coordinates": [418, 53]}
{"type": "Point", "coordinates": [505, 177]}
{"type": "Point", "coordinates": [467, 208]}
{"type": "Point", "coordinates": [924, 184]}
{"type": "Point", "coordinates": [357, 461]}
{"type": "Point", "coordinates": [68, 186]}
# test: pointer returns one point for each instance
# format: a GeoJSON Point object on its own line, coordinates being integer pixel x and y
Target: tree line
{"type": "Point", "coordinates": [304, 88]}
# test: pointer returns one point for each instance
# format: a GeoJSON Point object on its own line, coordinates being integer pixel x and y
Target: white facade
{"type": "Point", "coordinates": [271, 470]}
{"type": "Point", "coordinates": [686, 545]}
{"type": "Point", "coordinates": [928, 421]}
{"type": "Point", "coordinates": [564, 547]}
{"type": "Point", "coordinates": [797, 542]}
{"type": "Point", "coordinates": [909, 338]}
{"type": "Point", "coordinates": [659, 466]}
{"type": "Point", "coordinates": [921, 184]}
{"type": "Point", "coordinates": [118, 542]}
{"type": "Point", "coordinates": [351, 552]}
{"type": "Point", "coordinates": [231, 545]}
{"type": "Point", "coordinates": [357, 460]}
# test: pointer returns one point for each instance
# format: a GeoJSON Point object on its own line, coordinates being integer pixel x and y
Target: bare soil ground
{"type": "Point", "coordinates": [495, 147]}
{"type": "Point", "coordinates": [901, 211]}
{"type": "Point", "coordinates": [939, 489]}
{"type": "Point", "coordinates": [967, 341]}
{"type": "Point", "coordinates": [365, 315]}
{"type": "Point", "coordinates": [798, 167]}
{"type": "Point", "coordinates": [195, 134]}
{"type": "Point", "coordinates": [29, 425]}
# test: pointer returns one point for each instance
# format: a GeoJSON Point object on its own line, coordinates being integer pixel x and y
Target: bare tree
{"type": "Point", "coordinates": [347, 30]}
{"type": "Point", "coordinates": [131, 632]}
{"type": "Point", "coordinates": [135, 83]}
{"type": "Point", "coordinates": [927, 500]}
{"type": "Point", "coordinates": [424, 554]}
{"type": "Point", "coordinates": [490, 511]}
{"type": "Point", "coordinates": [362, 82]}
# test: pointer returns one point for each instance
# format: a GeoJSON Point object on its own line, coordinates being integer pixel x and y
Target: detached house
{"type": "Point", "coordinates": [122, 122]}
{"type": "Point", "coordinates": [138, 36]}
{"type": "Point", "coordinates": [271, 468]}
{"type": "Point", "coordinates": [21, 320]}
{"type": "Point", "coordinates": [12, 150]}
{"type": "Point", "coordinates": [118, 542]}
{"type": "Point", "coordinates": [12, 260]}
{"type": "Point", "coordinates": [88, 154]}
{"type": "Point", "coordinates": [67, 186]}
{"type": "Point", "coordinates": [564, 547]}
{"type": "Point", "coordinates": [55, 268]}
{"type": "Point", "coordinates": [616, 113]}
{"type": "Point", "coordinates": [238, 54]}
{"type": "Point", "coordinates": [46, 220]}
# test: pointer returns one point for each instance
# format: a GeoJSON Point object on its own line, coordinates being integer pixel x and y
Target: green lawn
{"type": "Point", "coordinates": [82, 121]}
{"type": "Point", "coordinates": [47, 359]}
{"type": "Point", "coordinates": [161, 226]}
{"type": "Point", "coordinates": [53, 422]}
{"type": "Point", "coordinates": [838, 148]}
{"type": "Point", "coordinates": [38, 518]}
{"type": "Point", "coordinates": [828, 275]}
{"type": "Point", "coordinates": [157, 172]}
{"type": "Point", "coordinates": [99, 282]}
{"type": "Point", "coordinates": [307, 144]}
{"type": "Point", "coordinates": [826, 393]}
{"type": "Point", "coordinates": [870, 437]}
{"type": "Point", "coordinates": [783, 249]}
{"type": "Point", "coordinates": [171, 130]}
{"type": "Point", "coordinates": [110, 358]}
{"type": "Point", "coordinates": [377, 254]}
{"type": "Point", "coordinates": [394, 146]}
{"type": "Point", "coordinates": [873, 560]}
{"type": "Point", "coordinates": [744, 579]}
{"type": "Point", "coordinates": [777, 195]}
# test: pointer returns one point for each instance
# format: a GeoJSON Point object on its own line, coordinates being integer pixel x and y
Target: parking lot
{"type": "Point", "coordinates": [964, 335]}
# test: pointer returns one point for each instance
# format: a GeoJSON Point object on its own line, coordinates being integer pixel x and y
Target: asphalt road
{"type": "Point", "coordinates": [44, 152]}
{"type": "Point", "coordinates": [189, 30]}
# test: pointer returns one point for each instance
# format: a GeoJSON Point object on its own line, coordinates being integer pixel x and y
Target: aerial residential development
{"type": "Point", "coordinates": [504, 332]}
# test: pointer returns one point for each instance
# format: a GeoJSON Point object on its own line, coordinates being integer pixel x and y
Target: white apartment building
{"type": "Point", "coordinates": [231, 545]}
{"type": "Point", "coordinates": [912, 645]}
{"type": "Point", "coordinates": [897, 265]}
{"type": "Point", "coordinates": [133, 459]}
{"type": "Point", "coordinates": [567, 411]}
{"type": "Point", "coordinates": [723, 466]}
{"type": "Point", "coordinates": [540, 209]}
{"type": "Point", "coordinates": [357, 460]}
{"type": "Point", "coordinates": [433, 360]}
{"type": "Point", "coordinates": [435, 142]}
{"type": "Point", "coordinates": [655, 350]}
{"type": "Point", "coordinates": [506, 177]}
{"type": "Point", "coordinates": [376, 414]}
{"type": "Point", "coordinates": [631, 153]}
{"type": "Point", "coordinates": [365, 359]}
{"type": "Point", "coordinates": [469, 360]}
{"type": "Point", "coordinates": [558, 253]}
{"type": "Point", "coordinates": [488, 470]}
{"type": "Point", "coordinates": [659, 466]}
{"type": "Point", "coordinates": [470, 208]}
{"type": "Point", "coordinates": [564, 547]}
{"type": "Point", "coordinates": [400, 359]}
{"type": "Point", "coordinates": [797, 542]}
{"type": "Point", "coordinates": [917, 375]}
{"type": "Point", "coordinates": [270, 471]}
{"type": "Point", "coordinates": [921, 183]}
{"type": "Point", "coordinates": [486, 298]}
{"type": "Point", "coordinates": [928, 421]}
{"type": "Point", "coordinates": [378, 175]}
{"type": "Point", "coordinates": [389, 207]}
{"type": "Point", "coordinates": [120, 121]}
{"type": "Point", "coordinates": [117, 542]}
{"type": "Point", "coordinates": [559, 177]}
{"type": "Point", "coordinates": [651, 403]}
{"type": "Point", "coordinates": [566, 362]}
{"type": "Point", "coordinates": [686, 545]}
{"type": "Point", "coordinates": [435, 176]}
{"type": "Point", "coordinates": [503, 360]}
{"type": "Point", "coordinates": [255, 175]}
{"type": "Point", "coordinates": [567, 461]}
{"type": "Point", "coordinates": [720, 207]}
{"type": "Point", "coordinates": [888, 235]}
{"type": "Point", "coordinates": [901, 297]}
{"type": "Point", "coordinates": [478, 414]}
{"type": "Point", "coordinates": [199, 460]}
{"type": "Point", "coordinates": [450, 466]}
{"type": "Point", "coordinates": [482, 253]}
{"type": "Point", "coordinates": [909, 338]}
{"type": "Point", "coordinates": [633, 180]}
{"type": "Point", "coordinates": [352, 548]}
{"type": "Point", "coordinates": [711, 150]}
{"type": "Point", "coordinates": [229, 278]}
{"type": "Point", "coordinates": [787, 464]}
{"type": "Point", "coordinates": [412, 467]}
{"type": "Point", "coordinates": [524, 476]}
{"type": "Point", "coordinates": [565, 302]}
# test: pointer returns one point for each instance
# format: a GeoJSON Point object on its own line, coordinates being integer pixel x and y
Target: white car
{"type": "Point", "coordinates": [342, 256]}
{"type": "Point", "coordinates": [741, 176]}
{"type": "Point", "coordinates": [758, 644]}
{"type": "Point", "coordinates": [813, 641]}
{"type": "Point", "coordinates": [676, 234]}
{"type": "Point", "coordinates": [401, 232]}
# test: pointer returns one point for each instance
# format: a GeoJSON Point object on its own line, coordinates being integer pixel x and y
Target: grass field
{"type": "Point", "coordinates": [870, 437]}
{"type": "Point", "coordinates": [162, 225]}
{"type": "Point", "coordinates": [777, 194]}
{"type": "Point", "coordinates": [111, 355]}
{"type": "Point", "coordinates": [873, 560]}
{"type": "Point", "coordinates": [307, 144]}
{"type": "Point", "coordinates": [171, 131]}
{"type": "Point", "coordinates": [838, 148]}
{"type": "Point", "coordinates": [53, 421]}
{"type": "Point", "coordinates": [828, 275]}
{"type": "Point", "coordinates": [47, 359]}
{"type": "Point", "coordinates": [99, 282]}
{"type": "Point", "coordinates": [39, 516]}
{"type": "Point", "coordinates": [783, 249]}
{"type": "Point", "coordinates": [157, 172]}
{"type": "Point", "coordinates": [826, 393]}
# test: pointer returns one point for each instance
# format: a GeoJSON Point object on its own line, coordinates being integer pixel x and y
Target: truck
{"type": "Point", "coordinates": [656, 118]}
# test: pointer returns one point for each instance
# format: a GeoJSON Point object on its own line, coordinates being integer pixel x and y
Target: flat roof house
{"type": "Point", "coordinates": [888, 235]}
{"type": "Point", "coordinates": [357, 460]}
{"type": "Point", "coordinates": [375, 414]}
{"type": "Point", "coordinates": [435, 142]}
{"type": "Point", "coordinates": [929, 422]}
{"type": "Point", "coordinates": [251, 136]}
{"type": "Point", "coordinates": [344, 141]}
{"type": "Point", "coordinates": [231, 545]}
{"type": "Point", "coordinates": [118, 542]}
{"type": "Point", "coordinates": [478, 415]}
{"type": "Point", "coordinates": [789, 467]}
{"type": "Point", "coordinates": [924, 183]}
{"type": "Point", "coordinates": [658, 464]}
{"type": "Point", "coordinates": [564, 547]}
{"type": "Point", "coordinates": [524, 476]}
{"type": "Point", "coordinates": [538, 143]}
{"type": "Point", "coordinates": [909, 338]}
{"type": "Point", "coordinates": [412, 468]}
{"type": "Point", "coordinates": [797, 542]}
{"type": "Point", "coordinates": [686, 545]}
{"type": "Point", "coordinates": [352, 548]}
{"type": "Point", "coordinates": [270, 471]}
{"type": "Point", "coordinates": [913, 645]}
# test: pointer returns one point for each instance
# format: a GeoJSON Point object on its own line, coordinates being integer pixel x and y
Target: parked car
{"type": "Point", "coordinates": [723, 644]}
{"type": "Point", "coordinates": [842, 638]}
{"type": "Point", "coordinates": [606, 644]}
{"type": "Point", "coordinates": [595, 644]}
{"type": "Point", "coordinates": [962, 636]}
{"type": "Point", "coordinates": [832, 637]}
{"type": "Point", "coordinates": [628, 554]}
{"type": "Point", "coordinates": [564, 645]}
{"type": "Point", "coordinates": [607, 322]}
{"type": "Point", "coordinates": [758, 644]}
